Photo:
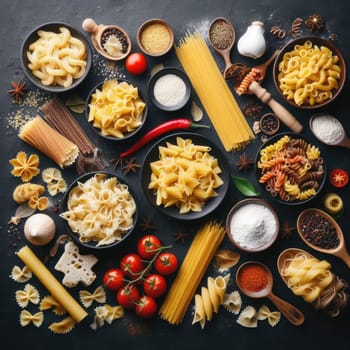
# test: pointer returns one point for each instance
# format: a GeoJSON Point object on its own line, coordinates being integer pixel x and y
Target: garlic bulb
{"type": "Point", "coordinates": [252, 43]}
{"type": "Point", "coordinates": [39, 229]}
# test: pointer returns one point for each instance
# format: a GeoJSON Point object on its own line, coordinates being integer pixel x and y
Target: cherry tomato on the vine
{"type": "Point", "coordinates": [136, 63]}
{"type": "Point", "coordinates": [154, 285]}
{"type": "Point", "coordinates": [166, 263]}
{"type": "Point", "coordinates": [113, 279]}
{"type": "Point", "coordinates": [339, 177]}
{"type": "Point", "coordinates": [148, 246]}
{"type": "Point", "coordinates": [131, 265]}
{"type": "Point", "coordinates": [128, 296]}
{"type": "Point", "coordinates": [146, 307]}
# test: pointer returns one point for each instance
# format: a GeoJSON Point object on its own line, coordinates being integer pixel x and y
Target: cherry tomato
{"type": "Point", "coordinates": [113, 279]}
{"type": "Point", "coordinates": [131, 265]}
{"type": "Point", "coordinates": [166, 263]}
{"type": "Point", "coordinates": [146, 307]}
{"type": "Point", "coordinates": [128, 296]}
{"type": "Point", "coordinates": [148, 246]}
{"type": "Point", "coordinates": [136, 63]}
{"type": "Point", "coordinates": [154, 285]}
{"type": "Point", "coordinates": [339, 177]}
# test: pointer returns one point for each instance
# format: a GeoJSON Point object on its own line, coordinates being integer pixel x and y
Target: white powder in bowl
{"type": "Point", "coordinates": [253, 226]}
{"type": "Point", "coordinates": [169, 90]}
{"type": "Point", "coordinates": [327, 129]}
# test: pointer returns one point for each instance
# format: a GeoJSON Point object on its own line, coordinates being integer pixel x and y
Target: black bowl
{"type": "Point", "coordinates": [272, 194]}
{"type": "Point", "coordinates": [315, 40]}
{"type": "Point", "coordinates": [93, 244]}
{"type": "Point", "coordinates": [169, 71]}
{"type": "Point", "coordinates": [173, 211]}
{"type": "Point", "coordinates": [110, 137]}
{"type": "Point", "coordinates": [33, 36]}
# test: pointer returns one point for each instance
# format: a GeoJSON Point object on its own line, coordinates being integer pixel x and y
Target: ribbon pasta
{"type": "Point", "coordinates": [57, 58]}
{"type": "Point", "coordinates": [309, 74]}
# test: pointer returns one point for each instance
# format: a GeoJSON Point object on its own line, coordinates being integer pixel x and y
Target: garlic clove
{"type": "Point", "coordinates": [252, 43]}
{"type": "Point", "coordinates": [39, 229]}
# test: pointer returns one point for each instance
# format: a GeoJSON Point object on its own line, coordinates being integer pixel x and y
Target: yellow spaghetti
{"type": "Point", "coordinates": [50, 142]}
{"type": "Point", "coordinates": [213, 92]}
{"type": "Point", "coordinates": [191, 272]}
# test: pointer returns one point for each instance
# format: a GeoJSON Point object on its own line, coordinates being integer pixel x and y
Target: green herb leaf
{"type": "Point", "coordinates": [75, 104]}
{"type": "Point", "coordinates": [244, 186]}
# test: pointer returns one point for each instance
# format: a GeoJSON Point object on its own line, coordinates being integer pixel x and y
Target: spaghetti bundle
{"type": "Point", "coordinates": [214, 93]}
{"type": "Point", "coordinates": [47, 140]}
{"type": "Point", "coordinates": [191, 272]}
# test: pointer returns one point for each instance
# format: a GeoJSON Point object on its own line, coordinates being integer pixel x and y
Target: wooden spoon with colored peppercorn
{"type": "Point", "coordinates": [322, 233]}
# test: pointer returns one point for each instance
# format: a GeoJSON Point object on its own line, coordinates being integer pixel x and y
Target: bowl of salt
{"type": "Point", "coordinates": [169, 89]}
{"type": "Point", "coordinates": [252, 225]}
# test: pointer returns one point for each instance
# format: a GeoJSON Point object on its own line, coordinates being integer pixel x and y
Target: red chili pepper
{"type": "Point", "coordinates": [175, 124]}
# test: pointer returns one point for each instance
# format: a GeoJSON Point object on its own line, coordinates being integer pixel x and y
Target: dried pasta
{"type": "Point", "coordinates": [50, 142]}
{"type": "Point", "coordinates": [116, 109]}
{"type": "Point", "coordinates": [25, 167]}
{"type": "Point", "coordinates": [198, 257]}
{"type": "Point", "coordinates": [100, 209]}
{"type": "Point", "coordinates": [21, 275]}
{"type": "Point", "coordinates": [273, 317]}
{"type": "Point", "coordinates": [307, 276]}
{"type": "Point", "coordinates": [186, 175]}
{"type": "Point", "coordinates": [243, 87]}
{"type": "Point", "coordinates": [106, 313]}
{"type": "Point", "coordinates": [51, 174]}
{"type": "Point", "coordinates": [210, 299]}
{"type": "Point", "coordinates": [213, 92]}
{"type": "Point", "coordinates": [248, 317]}
{"type": "Point", "coordinates": [57, 58]}
{"type": "Point", "coordinates": [62, 327]}
{"type": "Point", "coordinates": [26, 318]}
{"type": "Point", "coordinates": [309, 74]}
{"type": "Point", "coordinates": [291, 169]}
{"type": "Point", "coordinates": [87, 298]}
{"type": "Point", "coordinates": [28, 295]}
{"type": "Point", "coordinates": [233, 302]}
{"type": "Point", "coordinates": [49, 302]}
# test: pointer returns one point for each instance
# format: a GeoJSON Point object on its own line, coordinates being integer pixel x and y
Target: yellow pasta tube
{"type": "Point", "coordinates": [51, 283]}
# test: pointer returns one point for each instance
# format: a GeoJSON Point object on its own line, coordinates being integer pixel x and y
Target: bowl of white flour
{"type": "Point", "coordinates": [252, 225]}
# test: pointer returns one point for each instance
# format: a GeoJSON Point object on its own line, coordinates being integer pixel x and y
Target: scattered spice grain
{"type": "Point", "coordinates": [155, 38]}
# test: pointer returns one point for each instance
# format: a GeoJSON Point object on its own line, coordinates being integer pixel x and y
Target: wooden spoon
{"type": "Point", "coordinates": [225, 53]}
{"type": "Point", "coordinates": [344, 142]}
{"type": "Point", "coordinates": [293, 314]}
{"type": "Point", "coordinates": [340, 251]}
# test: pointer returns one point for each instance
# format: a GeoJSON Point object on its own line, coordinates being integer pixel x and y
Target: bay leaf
{"type": "Point", "coordinates": [244, 186]}
{"type": "Point", "coordinates": [75, 104]}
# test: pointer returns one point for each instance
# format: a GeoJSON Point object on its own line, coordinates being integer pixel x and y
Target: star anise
{"type": "Point", "coordinates": [287, 230]}
{"type": "Point", "coordinates": [18, 89]}
{"type": "Point", "coordinates": [147, 224]}
{"type": "Point", "coordinates": [244, 162]}
{"type": "Point", "coordinates": [118, 162]}
{"type": "Point", "coordinates": [253, 110]}
{"type": "Point", "coordinates": [181, 236]}
{"type": "Point", "coordinates": [315, 23]}
{"type": "Point", "coordinates": [131, 165]}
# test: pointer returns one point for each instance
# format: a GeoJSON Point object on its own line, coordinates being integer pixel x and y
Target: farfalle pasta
{"type": "Point", "coordinates": [116, 109]}
{"type": "Point", "coordinates": [26, 318]}
{"type": "Point", "coordinates": [309, 74]}
{"type": "Point", "coordinates": [106, 313]}
{"type": "Point", "coordinates": [87, 298]}
{"type": "Point", "coordinates": [291, 168]}
{"type": "Point", "coordinates": [273, 317]}
{"type": "Point", "coordinates": [21, 275]}
{"type": "Point", "coordinates": [186, 175]}
{"type": "Point", "coordinates": [100, 210]}
{"type": "Point", "coordinates": [248, 317]}
{"type": "Point", "coordinates": [28, 295]}
{"type": "Point", "coordinates": [233, 302]}
{"type": "Point", "coordinates": [62, 327]}
{"type": "Point", "coordinates": [49, 302]}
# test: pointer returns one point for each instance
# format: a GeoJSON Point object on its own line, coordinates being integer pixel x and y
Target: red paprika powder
{"type": "Point", "coordinates": [253, 277]}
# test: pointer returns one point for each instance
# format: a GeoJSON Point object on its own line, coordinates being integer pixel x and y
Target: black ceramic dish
{"type": "Point", "coordinates": [110, 137]}
{"type": "Point", "coordinates": [258, 171]}
{"type": "Point", "coordinates": [173, 211]}
{"type": "Point", "coordinates": [182, 75]}
{"type": "Point", "coordinates": [75, 236]}
{"type": "Point", "coordinates": [315, 40]}
{"type": "Point", "coordinates": [33, 36]}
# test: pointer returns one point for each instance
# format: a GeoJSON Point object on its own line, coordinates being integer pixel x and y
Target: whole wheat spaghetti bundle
{"type": "Point", "coordinates": [191, 272]}
{"type": "Point", "coordinates": [214, 93]}
{"type": "Point", "coordinates": [50, 142]}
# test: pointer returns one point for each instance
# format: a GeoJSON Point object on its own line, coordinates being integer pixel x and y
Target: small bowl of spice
{"type": "Point", "coordinates": [252, 225]}
{"type": "Point", "coordinates": [111, 41]}
{"type": "Point", "coordinates": [169, 89]}
{"type": "Point", "coordinates": [155, 37]}
{"type": "Point", "coordinates": [269, 124]}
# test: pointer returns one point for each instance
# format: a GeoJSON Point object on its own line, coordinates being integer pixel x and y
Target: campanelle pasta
{"type": "Point", "coordinates": [186, 175]}
{"type": "Point", "coordinates": [57, 58]}
{"type": "Point", "coordinates": [116, 109]}
{"type": "Point", "coordinates": [309, 74]}
{"type": "Point", "coordinates": [100, 210]}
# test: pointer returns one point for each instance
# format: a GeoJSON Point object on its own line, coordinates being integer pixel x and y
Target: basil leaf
{"type": "Point", "coordinates": [244, 186]}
